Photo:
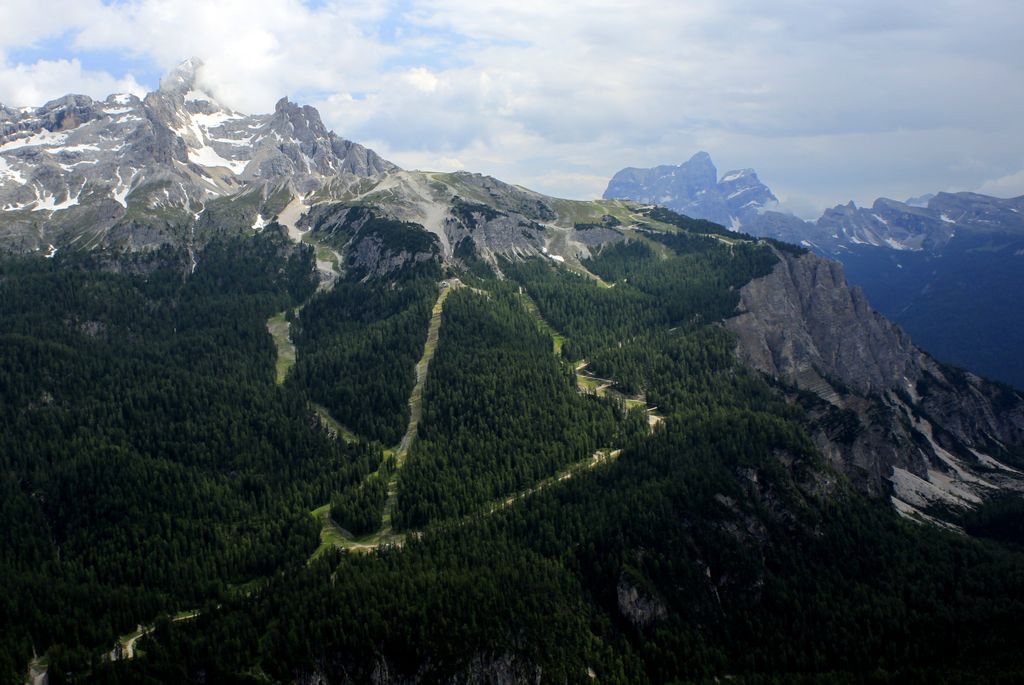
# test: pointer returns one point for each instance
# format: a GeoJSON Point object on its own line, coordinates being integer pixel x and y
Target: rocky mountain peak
{"type": "Point", "coordinates": [303, 120]}
{"type": "Point", "coordinates": [699, 170]}
{"type": "Point", "coordinates": [182, 78]}
{"type": "Point", "coordinates": [919, 201]}
{"type": "Point", "coordinates": [75, 167]}
{"type": "Point", "coordinates": [693, 188]}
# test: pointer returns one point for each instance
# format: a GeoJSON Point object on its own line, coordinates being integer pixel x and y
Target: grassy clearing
{"type": "Point", "coordinates": [531, 307]}
{"type": "Point", "coordinates": [422, 367]}
{"type": "Point", "coordinates": [331, 534]}
{"type": "Point", "coordinates": [586, 383]}
{"type": "Point", "coordinates": [279, 329]}
{"type": "Point", "coordinates": [581, 270]}
{"type": "Point", "coordinates": [588, 212]}
{"type": "Point", "coordinates": [630, 402]}
{"type": "Point", "coordinates": [326, 254]}
{"type": "Point", "coordinates": [599, 457]}
{"type": "Point", "coordinates": [332, 425]}
{"type": "Point", "coordinates": [328, 262]}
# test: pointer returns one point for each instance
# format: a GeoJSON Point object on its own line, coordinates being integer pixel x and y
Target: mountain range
{"type": "Point", "coordinates": [276, 410]}
{"type": "Point", "coordinates": [945, 266]}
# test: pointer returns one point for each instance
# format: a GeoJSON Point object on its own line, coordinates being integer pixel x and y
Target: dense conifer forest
{"type": "Point", "coordinates": [501, 412]}
{"type": "Point", "coordinates": [149, 461]}
{"type": "Point", "coordinates": [152, 465]}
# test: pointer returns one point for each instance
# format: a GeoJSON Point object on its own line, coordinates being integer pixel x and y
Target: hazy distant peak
{"type": "Point", "coordinates": [700, 157]}
{"type": "Point", "coordinates": [694, 189]}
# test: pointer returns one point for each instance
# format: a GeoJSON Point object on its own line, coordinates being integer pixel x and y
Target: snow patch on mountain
{"type": "Point", "coordinates": [43, 138]}
{"type": "Point", "coordinates": [208, 157]}
{"type": "Point", "coordinates": [12, 174]}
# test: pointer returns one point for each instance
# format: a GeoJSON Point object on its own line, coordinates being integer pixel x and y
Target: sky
{"type": "Point", "coordinates": [828, 101]}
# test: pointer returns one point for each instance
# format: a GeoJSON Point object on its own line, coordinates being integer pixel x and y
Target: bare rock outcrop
{"type": "Point", "coordinates": [896, 421]}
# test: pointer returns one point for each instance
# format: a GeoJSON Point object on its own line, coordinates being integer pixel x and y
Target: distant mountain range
{"type": "Point", "coordinates": [947, 267]}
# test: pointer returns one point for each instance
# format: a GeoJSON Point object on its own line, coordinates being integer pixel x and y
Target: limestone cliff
{"type": "Point", "coordinates": [893, 419]}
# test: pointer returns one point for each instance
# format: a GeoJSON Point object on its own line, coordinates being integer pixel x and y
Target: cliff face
{"type": "Point", "coordinates": [803, 318]}
{"type": "Point", "coordinates": [893, 419]}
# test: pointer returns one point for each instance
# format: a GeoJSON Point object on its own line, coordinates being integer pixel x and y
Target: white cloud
{"type": "Point", "coordinates": [422, 79]}
{"type": "Point", "coordinates": [25, 22]}
{"type": "Point", "coordinates": [34, 84]}
{"type": "Point", "coordinates": [1011, 185]}
{"type": "Point", "coordinates": [253, 54]}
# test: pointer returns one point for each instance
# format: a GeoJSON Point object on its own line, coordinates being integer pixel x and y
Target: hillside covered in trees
{"type": "Point", "coordinates": [596, 490]}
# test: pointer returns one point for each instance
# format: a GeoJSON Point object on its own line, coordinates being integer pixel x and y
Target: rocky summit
{"type": "Point", "coordinates": [694, 189]}
{"type": "Point", "coordinates": [136, 173]}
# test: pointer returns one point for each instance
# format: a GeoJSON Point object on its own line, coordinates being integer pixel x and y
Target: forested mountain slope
{"type": "Point", "coordinates": [190, 486]}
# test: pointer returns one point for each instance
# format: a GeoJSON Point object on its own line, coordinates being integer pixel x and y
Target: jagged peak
{"type": "Point", "coordinates": [182, 78]}
{"type": "Point", "coordinates": [304, 119]}
{"type": "Point", "coordinates": [920, 200]}
{"type": "Point", "coordinates": [186, 81]}
{"type": "Point", "coordinates": [701, 161]}
{"type": "Point", "coordinates": [888, 203]}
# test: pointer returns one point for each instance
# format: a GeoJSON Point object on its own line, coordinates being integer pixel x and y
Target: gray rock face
{"type": "Point", "coordinates": [640, 609]}
{"type": "Point", "coordinates": [895, 421]}
{"type": "Point", "coordinates": [373, 247]}
{"type": "Point", "coordinates": [374, 257]}
{"type": "Point", "coordinates": [693, 189]}
{"type": "Point", "coordinates": [77, 171]}
{"type": "Point", "coordinates": [597, 236]}
{"type": "Point", "coordinates": [803, 317]}
{"type": "Point", "coordinates": [493, 232]}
